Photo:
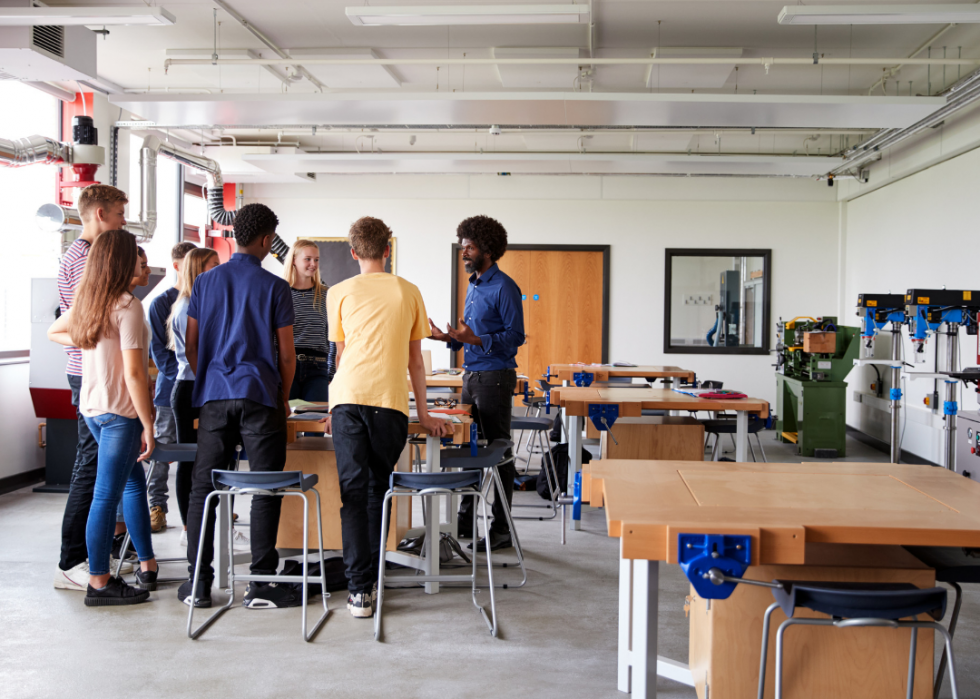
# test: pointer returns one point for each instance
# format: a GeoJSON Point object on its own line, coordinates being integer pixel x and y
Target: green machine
{"type": "Point", "coordinates": [814, 356]}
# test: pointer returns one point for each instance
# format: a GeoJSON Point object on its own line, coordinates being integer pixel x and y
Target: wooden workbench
{"type": "Point", "coordinates": [603, 372]}
{"type": "Point", "coordinates": [786, 509]}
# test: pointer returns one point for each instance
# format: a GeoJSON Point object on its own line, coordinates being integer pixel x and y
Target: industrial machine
{"type": "Point", "coordinates": [813, 357]}
{"type": "Point", "coordinates": [876, 312]}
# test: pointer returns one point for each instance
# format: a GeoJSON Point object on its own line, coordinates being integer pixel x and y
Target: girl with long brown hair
{"type": "Point", "coordinates": [315, 355]}
{"type": "Point", "coordinates": [196, 263]}
{"type": "Point", "coordinates": [106, 322]}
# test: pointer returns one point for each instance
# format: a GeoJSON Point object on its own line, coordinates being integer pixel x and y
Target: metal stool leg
{"type": "Point", "coordinates": [323, 574]}
{"type": "Point", "coordinates": [195, 634]}
{"type": "Point", "coordinates": [716, 448]}
{"type": "Point", "coordinates": [910, 684]}
{"type": "Point", "coordinates": [513, 533]}
{"type": "Point", "coordinates": [493, 604]}
{"type": "Point", "coordinates": [765, 649]}
{"type": "Point", "coordinates": [547, 465]}
{"type": "Point", "coordinates": [758, 438]}
{"type": "Point", "coordinates": [382, 559]}
{"type": "Point", "coordinates": [952, 629]}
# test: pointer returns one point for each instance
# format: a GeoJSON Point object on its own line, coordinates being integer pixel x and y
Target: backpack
{"type": "Point", "coordinates": [559, 457]}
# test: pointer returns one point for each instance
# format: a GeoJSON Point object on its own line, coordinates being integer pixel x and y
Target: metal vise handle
{"type": "Point", "coordinates": [717, 577]}
{"type": "Point", "coordinates": [609, 430]}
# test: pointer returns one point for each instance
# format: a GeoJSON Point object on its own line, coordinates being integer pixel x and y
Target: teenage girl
{"type": "Point", "coordinates": [315, 355]}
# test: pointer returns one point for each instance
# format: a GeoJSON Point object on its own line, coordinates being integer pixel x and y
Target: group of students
{"type": "Point", "coordinates": [233, 343]}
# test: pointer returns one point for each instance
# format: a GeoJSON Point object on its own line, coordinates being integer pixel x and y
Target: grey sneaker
{"type": "Point", "coordinates": [361, 605]}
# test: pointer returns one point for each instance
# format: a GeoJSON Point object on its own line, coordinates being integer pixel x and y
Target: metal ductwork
{"type": "Point", "coordinates": [20, 152]}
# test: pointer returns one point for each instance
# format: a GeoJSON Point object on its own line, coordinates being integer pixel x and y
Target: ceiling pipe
{"type": "Point", "coordinates": [766, 62]}
{"type": "Point", "coordinates": [20, 152]}
{"type": "Point", "coordinates": [53, 90]}
{"type": "Point", "coordinates": [265, 40]}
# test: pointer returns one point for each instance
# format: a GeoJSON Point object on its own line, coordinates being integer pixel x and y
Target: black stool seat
{"type": "Point", "coordinates": [730, 427]}
{"type": "Point", "coordinates": [533, 400]}
{"type": "Point", "coordinates": [453, 480]}
{"type": "Point", "coordinates": [166, 453]}
{"type": "Point", "coordinates": [486, 457]}
{"type": "Point", "coordinates": [653, 413]}
{"type": "Point", "coordinates": [265, 480]}
{"type": "Point", "coordinates": [952, 563]}
{"type": "Point", "coordinates": [858, 600]}
{"type": "Point", "coordinates": [535, 424]}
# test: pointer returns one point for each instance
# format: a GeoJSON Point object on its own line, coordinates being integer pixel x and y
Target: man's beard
{"type": "Point", "coordinates": [472, 265]}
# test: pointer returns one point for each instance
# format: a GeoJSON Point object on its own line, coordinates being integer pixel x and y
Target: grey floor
{"type": "Point", "coordinates": [558, 634]}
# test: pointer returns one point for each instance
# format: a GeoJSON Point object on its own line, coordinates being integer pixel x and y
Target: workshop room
{"type": "Point", "coordinates": [579, 348]}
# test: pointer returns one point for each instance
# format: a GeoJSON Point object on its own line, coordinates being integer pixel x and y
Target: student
{"type": "Point", "coordinates": [164, 427]}
{"type": "Point", "coordinates": [106, 322]}
{"type": "Point", "coordinates": [239, 344]}
{"type": "Point", "coordinates": [102, 208]}
{"type": "Point", "coordinates": [489, 334]}
{"type": "Point", "coordinates": [315, 355]}
{"type": "Point", "coordinates": [378, 322]}
{"type": "Point", "coordinates": [195, 263]}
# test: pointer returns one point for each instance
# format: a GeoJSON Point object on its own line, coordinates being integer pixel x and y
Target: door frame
{"type": "Point", "coordinates": [604, 249]}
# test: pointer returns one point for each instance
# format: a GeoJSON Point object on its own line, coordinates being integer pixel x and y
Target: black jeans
{"type": "Point", "coordinates": [73, 549]}
{"type": "Point", "coordinates": [368, 442]}
{"type": "Point", "coordinates": [261, 430]}
{"type": "Point", "coordinates": [184, 416]}
{"type": "Point", "coordinates": [312, 379]}
{"type": "Point", "coordinates": [491, 393]}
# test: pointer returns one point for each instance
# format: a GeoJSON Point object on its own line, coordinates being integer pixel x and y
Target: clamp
{"type": "Point", "coordinates": [604, 416]}
{"type": "Point", "coordinates": [583, 378]}
{"type": "Point", "coordinates": [715, 563]}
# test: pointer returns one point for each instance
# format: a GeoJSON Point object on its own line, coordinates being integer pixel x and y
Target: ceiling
{"type": "Point", "coordinates": [133, 59]}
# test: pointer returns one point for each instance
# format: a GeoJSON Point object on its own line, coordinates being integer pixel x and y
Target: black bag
{"type": "Point", "coordinates": [556, 427]}
{"type": "Point", "coordinates": [336, 575]}
{"type": "Point", "coordinates": [559, 457]}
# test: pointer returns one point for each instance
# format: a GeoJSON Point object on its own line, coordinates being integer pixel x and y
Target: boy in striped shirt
{"type": "Point", "coordinates": [102, 208]}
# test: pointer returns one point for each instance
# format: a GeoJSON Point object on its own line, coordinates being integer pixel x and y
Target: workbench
{"type": "Point", "coordinates": [631, 402]}
{"type": "Point", "coordinates": [604, 372]}
{"type": "Point", "coordinates": [783, 508]}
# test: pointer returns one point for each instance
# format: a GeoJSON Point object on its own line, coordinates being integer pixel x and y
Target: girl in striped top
{"type": "Point", "coordinates": [315, 355]}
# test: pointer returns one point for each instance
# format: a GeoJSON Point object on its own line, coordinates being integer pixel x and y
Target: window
{"type": "Point", "coordinates": [27, 251]}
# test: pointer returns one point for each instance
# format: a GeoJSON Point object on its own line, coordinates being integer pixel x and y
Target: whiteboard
{"type": "Point", "coordinates": [336, 264]}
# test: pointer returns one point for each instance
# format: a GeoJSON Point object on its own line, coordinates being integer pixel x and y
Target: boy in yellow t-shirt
{"type": "Point", "coordinates": [377, 321]}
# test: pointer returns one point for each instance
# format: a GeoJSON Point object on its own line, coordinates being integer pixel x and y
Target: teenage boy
{"type": "Point", "coordinates": [377, 321]}
{"type": "Point", "coordinates": [102, 208]}
{"type": "Point", "coordinates": [489, 334]}
{"type": "Point", "coordinates": [239, 343]}
{"type": "Point", "coordinates": [164, 427]}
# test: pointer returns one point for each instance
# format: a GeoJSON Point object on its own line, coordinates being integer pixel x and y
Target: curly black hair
{"type": "Point", "coordinates": [252, 222]}
{"type": "Point", "coordinates": [486, 233]}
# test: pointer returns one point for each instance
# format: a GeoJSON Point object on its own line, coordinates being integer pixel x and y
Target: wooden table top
{"type": "Point", "coordinates": [632, 401]}
{"type": "Point", "coordinates": [785, 506]}
{"type": "Point", "coordinates": [453, 381]}
{"type": "Point", "coordinates": [461, 430]}
{"type": "Point", "coordinates": [602, 373]}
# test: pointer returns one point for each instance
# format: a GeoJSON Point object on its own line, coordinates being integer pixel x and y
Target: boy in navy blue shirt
{"type": "Point", "coordinates": [240, 345]}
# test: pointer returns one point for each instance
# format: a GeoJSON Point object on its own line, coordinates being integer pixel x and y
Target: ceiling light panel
{"type": "Point", "coordinates": [880, 14]}
{"type": "Point", "coordinates": [537, 76]}
{"type": "Point", "coordinates": [224, 76]}
{"type": "Point", "coordinates": [692, 77]}
{"type": "Point", "coordinates": [348, 77]}
{"type": "Point", "coordinates": [85, 16]}
{"type": "Point", "coordinates": [442, 15]}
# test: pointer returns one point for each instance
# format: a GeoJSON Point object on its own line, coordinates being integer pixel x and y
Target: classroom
{"type": "Point", "coordinates": [490, 348]}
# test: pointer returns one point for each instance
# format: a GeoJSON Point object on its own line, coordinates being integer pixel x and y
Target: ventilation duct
{"type": "Point", "coordinates": [29, 151]}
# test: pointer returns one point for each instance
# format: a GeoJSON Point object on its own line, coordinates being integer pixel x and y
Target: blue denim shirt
{"type": "Point", "coordinates": [495, 313]}
{"type": "Point", "coordinates": [238, 307]}
{"type": "Point", "coordinates": [164, 358]}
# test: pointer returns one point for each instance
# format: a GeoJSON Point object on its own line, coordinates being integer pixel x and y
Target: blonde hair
{"type": "Point", "coordinates": [194, 263]}
{"type": "Point", "coordinates": [292, 275]}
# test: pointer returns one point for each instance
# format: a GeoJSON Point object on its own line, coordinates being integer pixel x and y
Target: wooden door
{"type": "Point", "coordinates": [563, 323]}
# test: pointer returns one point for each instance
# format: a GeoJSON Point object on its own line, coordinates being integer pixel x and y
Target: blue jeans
{"type": "Point", "coordinates": [311, 382]}
{"type": "Point", "coordinates": [119, 477]}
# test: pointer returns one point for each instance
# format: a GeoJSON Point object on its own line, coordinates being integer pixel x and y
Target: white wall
{"type": "Point", "coordinates": [18, 429]}
{"type": "Point", "coordinates": [919, 231]}
{"type": "Point", "coordinates": [638, 216]}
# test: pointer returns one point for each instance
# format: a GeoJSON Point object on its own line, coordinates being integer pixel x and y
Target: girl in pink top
{"type": "Point", "coordinates": [107, 323]}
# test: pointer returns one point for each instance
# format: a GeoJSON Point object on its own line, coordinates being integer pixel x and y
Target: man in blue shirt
{"type": "Point", "coordinates": [164, 427]}
{"type": "Point", "coordinates": [239, 343]}
{"type": "Point", "coordinates": [490, 331]}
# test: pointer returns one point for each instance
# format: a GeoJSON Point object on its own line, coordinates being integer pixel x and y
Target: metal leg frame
{"type": "Point", "coordinates": [491, 621]}
{"type": "Point", "coordinates": [574, 460]}
{"type": "Point", "coordinates": [495, 480]}
{"type": "Point", "coordinates": [952, 629]}
{"type": "Point", "coordinates": [548, 466]}
{"type": "Point", "coordinates": [914, 626]}
{"type": "Point", "coordinates": [741, 435]}
{"type": "Point", "coordinates": [233, 578]}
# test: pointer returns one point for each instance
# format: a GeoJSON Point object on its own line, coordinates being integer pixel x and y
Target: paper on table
{"type": "Point", "coordinates": [413, 416]}
{"type": "Point", "coordinates": [309, 417]}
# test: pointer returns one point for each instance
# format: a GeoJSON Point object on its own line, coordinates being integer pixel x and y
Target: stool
{"type": "Point", "coordinates": [953, 566]}
{"type": "Point", "coordinates": [462, 483]}
{"type": "Point", "coordinates": [164, 453]}
{"type": "Point", "coordinates": [538, 427]}
{"type": "Point", "coordinates": [856, 605]}
{"type": "Point", "coordinates": [721, 426]}
{"type": "Point", "coordinates": [276, 484]}
{"type": "Point", "coordinates": [536, 403]}
{"type": "Point", "coordinates": [487, 460]}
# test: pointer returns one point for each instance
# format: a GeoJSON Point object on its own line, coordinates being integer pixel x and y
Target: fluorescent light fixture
{"type": "Point", "coordinates": [85, 16]}
{"type": "Point", "coordinates": [880, 14]}
{"type": "Point", "coordinates": [442, 15]}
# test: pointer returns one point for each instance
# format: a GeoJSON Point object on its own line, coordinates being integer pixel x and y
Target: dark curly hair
{"type": "Point", "coordinates": [254, 221]}
{"type": "Point", "coordinates": [486, 233]}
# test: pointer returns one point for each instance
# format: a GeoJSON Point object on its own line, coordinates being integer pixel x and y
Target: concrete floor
{"type": "Point", "coordinates": [557, 634]}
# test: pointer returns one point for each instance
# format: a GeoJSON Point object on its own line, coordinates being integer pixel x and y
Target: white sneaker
{"type": "Point", "coordinates": [72, 579]}
{"type": "Point", "coordinates": [240, 542]}
{"type": "Point", "coordinates": [126, 569]}
{"type": "Point", "coordinates": [183, 537]}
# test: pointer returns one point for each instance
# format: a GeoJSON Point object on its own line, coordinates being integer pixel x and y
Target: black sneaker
{"type": "Point", "coordinates": [361, 605]}
{"type": "Point", "coordinates": [146, 579]}
{"type": "Point", "coordinates": [203, 597]}
{"type": "Point", "coordinates": [271, 596]}
{"type": "Point", "coordinates": [114, 594]}
{"type": "Point", "coordinates": [117, 541]}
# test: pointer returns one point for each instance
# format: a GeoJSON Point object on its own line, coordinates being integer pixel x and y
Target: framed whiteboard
{"type": "Point", "coordinates": [336, 264]}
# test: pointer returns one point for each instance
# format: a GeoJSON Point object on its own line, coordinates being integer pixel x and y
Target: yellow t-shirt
{"type": "Point", "coordinates": [375, 316]}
